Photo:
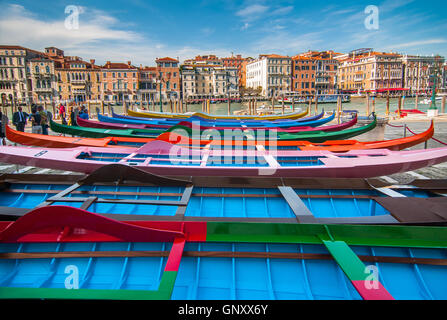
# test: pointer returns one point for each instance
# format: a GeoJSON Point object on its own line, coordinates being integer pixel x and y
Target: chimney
{"type": "Point", "coordinates": [92, 61]}
{"type": "Point", "coordinates": [129, 63]}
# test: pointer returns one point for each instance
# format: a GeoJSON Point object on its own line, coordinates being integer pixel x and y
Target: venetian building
{"type": "Point", "coordinates": [379, 73]}
{"type": "Point", "coordinates": [273, 73]}
{"type": "Point", "coordinates": [119, 82]}
{"type": "Point", "coordinates": [15, 83]}
{"type": "Point", "coordinates": [43, 80]}
{"type": "Point", "coordinates": [418, 72]}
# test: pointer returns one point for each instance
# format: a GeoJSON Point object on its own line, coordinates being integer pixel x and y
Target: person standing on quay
{"type": "Point", "coordinates": [19, 119]}
{"type": "Point", "coordinates": [35, 121]}
{"type": "Point", "coordinates": [62, 113]}
{"type": "Point", "coordinates": [43, 120]}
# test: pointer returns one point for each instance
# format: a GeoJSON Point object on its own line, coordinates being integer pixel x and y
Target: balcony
{"type": "Point", "coordinates": [43, 89]}
{"type": "Point", "coordinates": [321, 81]}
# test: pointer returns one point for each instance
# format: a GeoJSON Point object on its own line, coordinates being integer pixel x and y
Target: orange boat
{"type": "Point", "coordinates": [51, 141]}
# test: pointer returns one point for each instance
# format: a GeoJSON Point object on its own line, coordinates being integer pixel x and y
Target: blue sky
{"type": "Point", "coordinates": [140, 31]}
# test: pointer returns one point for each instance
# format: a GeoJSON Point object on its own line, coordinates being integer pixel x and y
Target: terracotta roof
{"type": "Point", "coordinates": [118, 65]}
{"type": "Point", "coordinates": [273, 56]}
{"type": "Point", "coordinates": [167, 59]}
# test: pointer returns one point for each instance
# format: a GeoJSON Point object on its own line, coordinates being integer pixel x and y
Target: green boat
{"type": "Point", "coordinates": [312, 136]}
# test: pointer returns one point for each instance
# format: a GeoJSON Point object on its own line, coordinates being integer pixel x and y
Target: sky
{"type": "Point", "coordinates": [141, 31]}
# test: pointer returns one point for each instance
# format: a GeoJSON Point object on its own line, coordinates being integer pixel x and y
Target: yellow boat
{"type": "Point", "coordinates": [147, 114]}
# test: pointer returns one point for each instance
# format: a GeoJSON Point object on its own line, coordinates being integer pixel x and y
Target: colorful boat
{"type": "Point", "coordinates": [122, 193]}
{"type": "Point", "coordinates": [153, 114]}
{"type": "Point", "coordinates": [248, 122]}
{"type": "Point", "coordinates": [312, 136]}
{"type": "Point", "coordinates": [50, 141]}
{"type": "Point", "coordinates": [308, 126]}
{"type": "Point", "coordinates": [52, 249]}
{"type": "Point", "coordinates": [162, 158]}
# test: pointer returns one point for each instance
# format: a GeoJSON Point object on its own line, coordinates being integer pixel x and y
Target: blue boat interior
{"type": "Point", "coordinates": [224, 278]}
{"type": "Point", "coordinates": [227, 202]}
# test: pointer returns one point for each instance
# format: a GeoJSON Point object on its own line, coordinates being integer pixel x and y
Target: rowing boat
{"type": "Point", "coordinates": [153, 114]}
{"type": "Point", "coordinates": [312, 136]}
{"type": "Point", "coordinates": [122, 193]}
{"type": "Point", "coordinates": [249, 122]}
{"type": "Point", "coordinates": [52, 249]}
{"type": "Point", "coordinates": [308, 126]}
{"type": "Point", "coordinates": [50, 141]}
{"type": "Point", "coordinates": [162, 158]}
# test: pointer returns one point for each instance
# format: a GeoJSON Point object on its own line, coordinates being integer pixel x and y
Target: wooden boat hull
{"type": "Point", "coordinates": [311, 126]}
{"type": "Point", "coordinates": [274, 200]}
{"type": "Point", "coordinates": [158, 159]}
{"type": "Point", "coordinates": [312, 136]}
{"type": "Point", "coordinates": [233, 260]}
{"type": "Point", "coordinates": [49, 141]}
{"type": "Point", "coordinates": [247, 122]}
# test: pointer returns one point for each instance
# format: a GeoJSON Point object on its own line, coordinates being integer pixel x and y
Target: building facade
{"type": "Point", "coordinates": [418, 72]}
{"type": "Point", "coordinates": [15, 75]}
{"type": "Point", "coordinates": [119, 82]}
{"type": "Point", "coordinates": [163, 81]}
{"type": "Point", "coordinates": [206, 77]}
{"type": "Point", "coordinates": [43, 80]}
{"type": "Point", "coordinates": [379, 73]}
{"type": "Point", "coordinates": [272, 73]}
{"type": "Point", "coordinates": [303, 75]}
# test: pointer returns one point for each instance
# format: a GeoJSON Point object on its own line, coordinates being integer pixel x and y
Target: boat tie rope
{"type": "Point", "coordinates": [411, 131]}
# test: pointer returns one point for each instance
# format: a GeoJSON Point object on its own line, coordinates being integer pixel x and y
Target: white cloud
{"type": "Point", "coordinates": [100, 36]}
{"type": "Point", "coordinates": [283, 10]}
{"type": "Point", "coordinates": [419, 43]}
{"type": "Point", "coordinates": [245, 26]}
{"type": "Point", "coordinates": [252, 12]}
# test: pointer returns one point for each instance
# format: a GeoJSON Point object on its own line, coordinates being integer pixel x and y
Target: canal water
{"type": "Point", "coordinates": [358, 104]}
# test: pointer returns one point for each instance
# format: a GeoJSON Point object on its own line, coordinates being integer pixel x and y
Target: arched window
{"type": "Point", "coordinates": [47, 68]}
{"type": "Point", "coordinates": [37, 69]}
{"type": "Point", "coordinates": [38, 83]}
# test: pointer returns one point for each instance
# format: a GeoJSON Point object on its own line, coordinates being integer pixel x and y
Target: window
{"type": "Point", "coordinates": [125, 74]}
{"type": "Point", "coordinates": [37, 69]}
{"type": "Point", "coordinates": [113, 74]}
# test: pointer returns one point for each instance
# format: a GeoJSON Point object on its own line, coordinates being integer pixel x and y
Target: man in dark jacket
{"type": "Point", "coordinates": [19, 119]}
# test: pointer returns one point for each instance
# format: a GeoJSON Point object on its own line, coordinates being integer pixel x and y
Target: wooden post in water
{"type": "Point", "coordinates": [387, 111]}
{"type": "Point", "coordinates": [229, 104]}
{"type": "Point", "coordinates": [316, 103]}
{"type": "Point", "coordinates": [338, 108]}
{"type": "Point", "coordinates": [367, 104]}
{"type": "Point", "coordinates": [374, 104]}
{"type": "Point", "coordinates": [443, 104]}
{"type": "Point", "coordinates": [399, 105]}
{"type": "Point", "coordinates": [255, 105]}
{"type": "Point", "coordinates": [88, 108]}
{"type": "Point", "coordinates": [102, 107]}
{"type": "Point", "coordinates": [310, 106]}
{"type": "Point", "coordinates": [282, 104]}
{"type": "Point", "coordinates": [293, 104]}
{"type": "Point", "coordinates": [109, 107]}
{"type": "Point", "coordinates": [170, 103]}
{"type": "Point", "coordinates": [416, 102]}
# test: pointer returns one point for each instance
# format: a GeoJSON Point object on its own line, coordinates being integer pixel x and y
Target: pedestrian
{"type": "Point", "coordinates": [35, 119]}
{"type": "Point", "coordinates": [62, 113]}
{"type": "Point", "coordinates": [73, 114]}
{"type": "Point", "coordinates": [19, 119]}
{"type": "Point", "coordinates": [43, 119]}
{"type": "Point", "coordinates": [3, 123]}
